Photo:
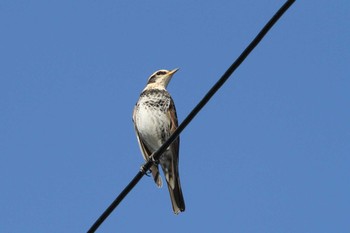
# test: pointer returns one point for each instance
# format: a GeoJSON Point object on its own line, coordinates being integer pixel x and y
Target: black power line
{"type": "Point", "coordinates": [156, 155]}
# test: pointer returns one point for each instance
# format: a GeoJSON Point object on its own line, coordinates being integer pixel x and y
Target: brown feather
{"type": "Point", "coordinates": [175, 191]}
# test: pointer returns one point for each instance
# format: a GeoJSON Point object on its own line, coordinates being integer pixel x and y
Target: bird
{"type": "Point", "coordinates": [155, 119]}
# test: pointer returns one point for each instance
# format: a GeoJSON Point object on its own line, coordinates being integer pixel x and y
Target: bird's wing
{"type": "Point", "coordinates": [173, 126]}
{"type": "Point", "coordinates": [173, 180]}
{"type": "Point", "coordinates": [171, 173]}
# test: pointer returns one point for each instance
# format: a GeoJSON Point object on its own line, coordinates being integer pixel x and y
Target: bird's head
{"type": "Point", "coordinates": [160, 79]}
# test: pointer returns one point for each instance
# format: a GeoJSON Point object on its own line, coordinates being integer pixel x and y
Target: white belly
{"type": "Point", "coordinates": [153, 126]}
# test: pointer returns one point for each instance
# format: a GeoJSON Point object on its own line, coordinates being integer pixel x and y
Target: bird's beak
{"type": "Point", "coordinates": [172, 72]}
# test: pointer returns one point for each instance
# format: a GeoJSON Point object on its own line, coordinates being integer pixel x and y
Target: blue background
{"type": "Point", "coordinates": [269, 153]}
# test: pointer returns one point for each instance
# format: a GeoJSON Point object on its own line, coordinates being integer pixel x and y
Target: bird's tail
{"type": "Point", "coordinates": [176, 196]}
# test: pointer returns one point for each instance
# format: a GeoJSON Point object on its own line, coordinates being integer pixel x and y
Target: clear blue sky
{"type": "Point", "coordinates": [269, 153]}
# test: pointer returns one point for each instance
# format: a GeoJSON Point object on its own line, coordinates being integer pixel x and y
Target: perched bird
{"type": "Point", "coordinates": [155, 120]}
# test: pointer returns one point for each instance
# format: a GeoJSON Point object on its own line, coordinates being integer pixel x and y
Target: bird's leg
{"type": "Point", "coordinates": [145, 171]}
{"type": "Point", "coordinates": [155, 162]}
{"type": "Point", "coordinates": [142, 169]}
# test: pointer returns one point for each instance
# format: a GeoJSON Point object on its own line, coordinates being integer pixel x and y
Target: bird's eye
{"type": "Point", "coordinates": [160, 73]}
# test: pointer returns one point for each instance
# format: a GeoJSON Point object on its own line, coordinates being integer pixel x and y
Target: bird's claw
{"type": "Point", "coordinates": [148, 173]}
{"type": "Point", "coordinates": [155, 162]}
